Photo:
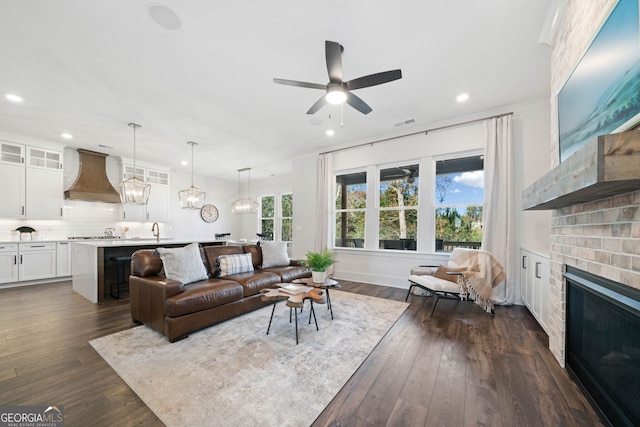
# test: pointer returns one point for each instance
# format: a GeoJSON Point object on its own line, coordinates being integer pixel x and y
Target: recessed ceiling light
{"type": "Point", "coordinates": [184, 163]}
{"type": "Point", "coordinates": [164, 17]}
{"type": "Point", "coordinates": [330, 132]}
{"type": "Point", "coordinates": [462, 97]}
{"type": "Point", "coordinates": [66, 135]}
{"type": "Point", "coordinates": [13, 98]}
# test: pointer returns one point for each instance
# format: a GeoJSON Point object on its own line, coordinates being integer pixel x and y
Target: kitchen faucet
{"type": "Point", "coordinates": [155, 229]}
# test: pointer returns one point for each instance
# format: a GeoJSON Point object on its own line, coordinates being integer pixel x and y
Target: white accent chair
{"type": "Point", "coordinates": [422, 277]}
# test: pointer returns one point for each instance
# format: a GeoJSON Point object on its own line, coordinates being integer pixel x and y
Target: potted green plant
{"type": "Point", "coordinates": [318, 262]}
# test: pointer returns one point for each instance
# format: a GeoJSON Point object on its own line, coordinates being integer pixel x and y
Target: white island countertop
{"type": "Point", "coordinates": [110, 243]}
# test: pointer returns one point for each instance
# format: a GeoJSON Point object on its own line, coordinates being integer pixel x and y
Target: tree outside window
{"type": "Point", "coordinates": [399, 202]}
{"type": "Point", "coordinates": [350, 207]}
{"type": "Point", "coordinates": [286, 221]}
{"type": "Point", "coordinates": [459, 191]}
{"type": "Point", "coordinates": [276, 219]}
{"type": "Point", "coordinates": [267, 216]}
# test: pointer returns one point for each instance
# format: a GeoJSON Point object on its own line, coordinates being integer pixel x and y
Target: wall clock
{"type": "Point", "coordinates": [209, 213]}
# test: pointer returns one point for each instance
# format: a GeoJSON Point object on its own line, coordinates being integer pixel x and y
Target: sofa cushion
{"type": "Point", "coordinates": [233, 264]}
{"type": "Point", "coordinates": [183, 264]}
{"type": "Point", "coordinates": [256, 254]}
{"type": "Point", "coordinates": [255, 281]}
{"type": "Point", "coordinates": [213, 252]}
{"type": "Point", "coordinates": [290, 273]}
{"type": "Point", "coordinates": [203, 295]}
{"type": "Point", "coordinates": [274, 254]}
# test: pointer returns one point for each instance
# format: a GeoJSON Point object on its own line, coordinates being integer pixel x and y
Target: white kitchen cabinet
{"type": "Point", "coordinates": [157, 208]}
{"type": "Point", "coordinates": [12, 177]}
{"type": "Point", "coordinates": [535, 273]}
{"type": "Point", "coordinates": [36, 260]}
{"type": "Point", "coordinates": [31, 189]}
{"type": "Point", "coordinates": [44, 193]}
{"type": "Point", "coordinates": [63, 259]}
{"type": "Point", "coordinates": [8, 262]}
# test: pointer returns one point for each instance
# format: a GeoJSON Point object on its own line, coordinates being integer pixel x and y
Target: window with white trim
{"type": "Point", "coordinates": [398, 207]}
{"type": "Point", "coordinates": [275, 218]}
{"type": "Point", "coordinates": [459, 203]}
{"type": "Point", "coordinates": [350, 209]}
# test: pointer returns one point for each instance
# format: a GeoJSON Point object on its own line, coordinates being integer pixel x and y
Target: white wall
{"type": "Point", "coordinates": [530, 131]}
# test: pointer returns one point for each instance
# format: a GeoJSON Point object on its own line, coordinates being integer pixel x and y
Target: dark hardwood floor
{"type": "Point", "coordinates": [462, 367]}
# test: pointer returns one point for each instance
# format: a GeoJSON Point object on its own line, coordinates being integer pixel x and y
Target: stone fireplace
{"type": "Point", "coordinates": [595, 234]}
{"type": "Point", "coordinates": [595, 225]}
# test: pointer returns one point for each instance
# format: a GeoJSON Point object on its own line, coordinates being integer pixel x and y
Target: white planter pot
{"type": "Point", "coordinates": [318, 276]}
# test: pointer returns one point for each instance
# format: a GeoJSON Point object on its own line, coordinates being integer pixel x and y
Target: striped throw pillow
{"type": "Point", "coordinates": [233, 264]}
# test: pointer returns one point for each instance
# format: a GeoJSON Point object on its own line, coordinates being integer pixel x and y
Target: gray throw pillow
{"type": "Point", "coordinates": [274, 254]}
{"type": "Point", "coordinates": [183, 264]}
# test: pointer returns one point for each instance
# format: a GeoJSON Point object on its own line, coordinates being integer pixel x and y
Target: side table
{"type": "Point", "coordinates": [326, 285]}
{"type": "Point", "coordinates": [293, 301]}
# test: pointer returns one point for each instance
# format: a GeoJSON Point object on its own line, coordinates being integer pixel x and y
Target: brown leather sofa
{"type": "Point", "coordinates": [175, 310]}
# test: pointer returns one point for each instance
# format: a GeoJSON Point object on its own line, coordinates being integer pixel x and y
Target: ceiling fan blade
{"type": "Point", "coordinates": [300, 84]}
{"type": "Point", "coordinates": [318, 105]}
{"type": "Point", "coordinates": [374, 79]}
{"type": "Point", "coordinates": [358, 103]}
{"type": "Point", "coordinates": [333, 52]}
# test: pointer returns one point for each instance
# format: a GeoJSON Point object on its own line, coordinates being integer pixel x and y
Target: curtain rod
{"type": "Point", "coordinates": [417, 133]}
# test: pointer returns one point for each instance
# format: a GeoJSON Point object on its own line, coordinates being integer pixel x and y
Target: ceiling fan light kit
{"type": "Point", "coordinates": [336, 95]}
{"type": "Point", "coordinates": [337, 90]}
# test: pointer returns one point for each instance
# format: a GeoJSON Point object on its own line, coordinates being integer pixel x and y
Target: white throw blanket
{"type": "Point", "coordinates": [483, 273]}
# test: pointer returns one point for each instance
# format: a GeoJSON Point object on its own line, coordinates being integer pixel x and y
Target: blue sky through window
{"type": "Point", "coordinates": [463, 188]}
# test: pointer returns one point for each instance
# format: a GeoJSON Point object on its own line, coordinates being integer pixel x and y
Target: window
{"type": "Point", "coordinates": [399, 202]}
{"type": "Point", "coordinates": [276, 219]}
{"type": "Point", "coordinates": [267, 216]}
{"type": "Point", "coordinates": [286, 221]}
{"type": "Point", "coordinates": [350, 205]}
{"type": "Point", "coordinates": [459, 197]}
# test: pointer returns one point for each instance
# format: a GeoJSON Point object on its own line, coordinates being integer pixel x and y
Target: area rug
{"type": "Point", "coordinates": [233, 374]}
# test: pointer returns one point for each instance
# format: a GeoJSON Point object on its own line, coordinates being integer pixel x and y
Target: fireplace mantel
{"type": "Point", "coordinates": [607, 166]}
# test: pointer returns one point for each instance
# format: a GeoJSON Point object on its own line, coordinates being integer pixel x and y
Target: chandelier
{"type": "Point", "coordinates": [246, 205]}
{"type": "Point", "coordinates": [134, 191]}
{"type": "Point", "coordinates": [192, 197]}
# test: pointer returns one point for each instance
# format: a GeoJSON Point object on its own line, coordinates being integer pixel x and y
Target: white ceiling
{"type": "Point", "coordinates": [91, 67]}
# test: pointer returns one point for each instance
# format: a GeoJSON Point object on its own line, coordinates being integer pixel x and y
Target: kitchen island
{"type": "Point", "coordinates": [93, 271]}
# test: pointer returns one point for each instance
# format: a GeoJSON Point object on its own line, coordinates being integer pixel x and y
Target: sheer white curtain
{"type": "Point", "coordinates": [323, 201]}
{"type": "Point", "coordinates": [498, 232]}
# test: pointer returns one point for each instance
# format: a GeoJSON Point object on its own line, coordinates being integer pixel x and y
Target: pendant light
{"type": "Point", "coordinates": [134, 191]}
{"type": "Point", "coordinates": [246, 205]}
{"type": "Point", "coordinates": [192, 197]}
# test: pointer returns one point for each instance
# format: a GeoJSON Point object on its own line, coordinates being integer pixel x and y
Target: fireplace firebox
{"type": "Point", "coordinates": [603, 344]}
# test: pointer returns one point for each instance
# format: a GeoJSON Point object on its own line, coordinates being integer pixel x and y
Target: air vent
{"type": "Point", "coordinates": [404, 122]}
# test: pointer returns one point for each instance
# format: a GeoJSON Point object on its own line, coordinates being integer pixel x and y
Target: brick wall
{"type": "Point", "coordinates": [602, 237]}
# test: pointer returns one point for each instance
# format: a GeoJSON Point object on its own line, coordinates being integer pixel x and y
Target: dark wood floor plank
{"type": "Point", "coordinates": [459, 367]}
{"type": "Point", "coordinates": [407, 413]}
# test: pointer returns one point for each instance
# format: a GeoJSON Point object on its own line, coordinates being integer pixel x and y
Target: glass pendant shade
{"type": "Point", "coordinates": [192, 197]}
{"type": "Point", "coordinates": [134, 191]}
{"type": "Point", "coordinates": [245, 205]}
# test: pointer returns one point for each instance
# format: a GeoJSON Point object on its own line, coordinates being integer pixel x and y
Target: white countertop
{"type": "Point", "coordinates": [110, 243]}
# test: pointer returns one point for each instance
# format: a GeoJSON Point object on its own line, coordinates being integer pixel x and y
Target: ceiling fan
{"type": "Point", "coordinates": [337, 90]}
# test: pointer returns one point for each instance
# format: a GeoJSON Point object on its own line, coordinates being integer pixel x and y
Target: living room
{"type": "Point", "coordinates": [535, 153]}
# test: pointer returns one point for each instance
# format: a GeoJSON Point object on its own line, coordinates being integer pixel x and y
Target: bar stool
{"type": "Point", "coordinates": [121, 264]}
